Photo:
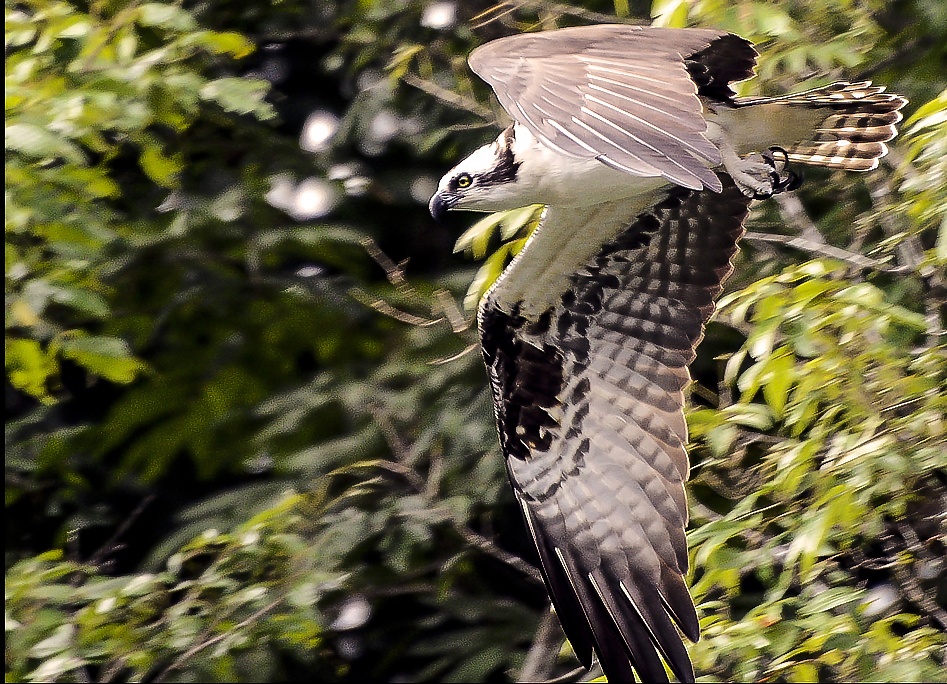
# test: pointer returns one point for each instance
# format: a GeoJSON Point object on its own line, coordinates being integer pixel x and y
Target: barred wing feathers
{"type": "Point", "coordinates": [589, 400]}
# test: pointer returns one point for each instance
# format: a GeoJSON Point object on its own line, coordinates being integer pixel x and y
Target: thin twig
{"type": "Point", "coordinates": [453, 357]}
{"type": "Point", "coordinates": [554, 7]}
{"type": "Point", "coordinates": [824, 249]}
{"type": "Point", "coordinates": [541, 656]}
{"type": "Point", "coordinates": [98, 558]}
{"type": "Point", "coordinates": [415, 480]}
{"type": "Point", "coordinates": [393, 272]}
{"type": "Point", "coordinates": [473, 538]}
{"type": "Point", "coordinates": [704, 393]}
{"type": "Point", "coordinates": [179, 662]}
{"type": "Point", "coordinates": [492, 14]}
{"type": "Point", "coordinates": [451, 311]}
{"type": "Point", "coordinates": [396, 276]}
{"type": "Point", "coordinates": [449, 97]}
{"type": "Point", "coordinates": [568, 676]}
{"type": "Point", "coordinates": [487, 546]}
{"type": "Point", "coordinates": [383, 307]}
{"type": "Point", "coordinates": [792, 209]}
{"type": "Point", "coordinates": [434, 472]}
{"type": "Point", "coordinates": [397, 445]}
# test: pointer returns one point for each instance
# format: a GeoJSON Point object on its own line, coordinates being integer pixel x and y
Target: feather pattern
{"type": "Point", "coordinates": [588, 334]}
{"type": "Point", "coordinates": [859, 119]}
{"type": "Point", "coordinates": [589, 399]}
{"type": "Point", "coordinates": [625, 95]}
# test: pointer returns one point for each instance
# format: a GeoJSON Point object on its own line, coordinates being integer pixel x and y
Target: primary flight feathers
{"type": "Point", "coordinates": [648, 163]}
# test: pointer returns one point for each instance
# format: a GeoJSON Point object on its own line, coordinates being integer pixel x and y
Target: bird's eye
{"type": "Point", "coordinates": [464, 180]}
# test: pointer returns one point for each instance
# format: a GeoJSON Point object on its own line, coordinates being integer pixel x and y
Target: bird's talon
{"type": "Point", "coordinates": [794, 181]}
{"type": "Point", "coordinates": [784, 179]}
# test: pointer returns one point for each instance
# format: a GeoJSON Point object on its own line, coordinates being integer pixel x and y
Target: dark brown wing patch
{"type": "Point", "coordinates": [589, 402]}
{"type": "Point", "coordinates": [727, 59]}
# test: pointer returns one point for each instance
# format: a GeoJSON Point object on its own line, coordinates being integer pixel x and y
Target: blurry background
{"type": "Point", "coordinates": [249, 438]}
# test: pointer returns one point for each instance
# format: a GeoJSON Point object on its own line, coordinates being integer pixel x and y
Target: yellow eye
{"type": "Point", "coordinates": [464, 180]}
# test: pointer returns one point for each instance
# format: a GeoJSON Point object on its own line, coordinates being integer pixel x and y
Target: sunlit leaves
{"type": "Point", "coordinates": [925, 178]}
{"type": "Point", "coordinates": [137, 216]}
{"type": "Point", "coordinates": [809, 37]}
{"type": "Point", "coordinates": [822, 374]}
{"type": "Point", "coordinates": [107, 357]}
{"type": "Point", "coordinates": [220, 594]}
{"type": "Point", "coordinates": [478, 237]}
{"type": "Point", "coordinates": [240, 95]}
{"type": "Point", "coordinates": [28, 366]}
{"type": "Point", "coordinates": [81, 89]}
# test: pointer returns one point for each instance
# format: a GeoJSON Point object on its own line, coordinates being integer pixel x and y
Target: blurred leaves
{"type": "Point", "coordinates": [85, 91]}
{"type": "Point", "coordinates": [925, 171]}
{"type": "Point", "coordinates": [238, 424]}
{"type": "Point", "coordinates": [217, 596]}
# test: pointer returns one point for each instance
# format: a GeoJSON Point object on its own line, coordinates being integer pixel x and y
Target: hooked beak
{"type": "Point", "coordinates": [439, 205]}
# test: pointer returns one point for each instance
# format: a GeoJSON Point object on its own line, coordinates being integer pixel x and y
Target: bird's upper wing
{"type": "Point", "coordinates": [626, 95]}
{"type": "Point", "coordinates": [589, 399]}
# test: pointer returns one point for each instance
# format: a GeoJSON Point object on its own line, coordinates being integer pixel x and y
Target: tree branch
{"type": "Point", "coordinates": [179, 662]}
{"type": "Point", "coordinates": [488, 547]}
{"type": "Point", "coordinates": [820, 248]}
{"type": "Point", "coordinates": [541, 656]}
{"type": "Point", "coordinates": [449, 97]}
{"type": "Point", "coordinates": [790, 206]}
{"type": "Point", "coordinates": [911, 256]}
{"type": "Point", "coordinates": [909, 583]}
{"type": "Point", "coordinates": [568, 676]}
{"type": "Point", "coordinates": [469, 535]}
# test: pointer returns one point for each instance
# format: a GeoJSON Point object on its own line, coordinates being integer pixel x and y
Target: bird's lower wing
{"type": "Point", "coordinates": [589, 399]}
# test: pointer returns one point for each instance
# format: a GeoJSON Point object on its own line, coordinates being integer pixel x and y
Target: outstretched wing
{"type": "Point", "coordinates": [589, 399]}
{"type": "Point", "coordinates": [626, 95]}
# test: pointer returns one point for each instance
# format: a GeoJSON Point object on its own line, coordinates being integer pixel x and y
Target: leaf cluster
{"type": "Point", "coordinates": [248, 439]}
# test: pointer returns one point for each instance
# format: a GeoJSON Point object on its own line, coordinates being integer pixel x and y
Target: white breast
{"type": "Point", "coordinates": [563, 181]}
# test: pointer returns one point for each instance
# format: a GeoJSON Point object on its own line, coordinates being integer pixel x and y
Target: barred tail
{"type": "Point", "coordinates": [860, 119]}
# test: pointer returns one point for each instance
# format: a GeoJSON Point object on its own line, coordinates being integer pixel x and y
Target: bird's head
{"type": "Point", "coordinates": [484, 181]}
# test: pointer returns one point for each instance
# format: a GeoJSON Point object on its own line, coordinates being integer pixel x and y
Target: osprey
{"type": "Point", "coordinates": [647, 163]}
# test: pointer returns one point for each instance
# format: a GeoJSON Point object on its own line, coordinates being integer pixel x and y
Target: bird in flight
{"type": "Point", "coordinates": [647, 163]}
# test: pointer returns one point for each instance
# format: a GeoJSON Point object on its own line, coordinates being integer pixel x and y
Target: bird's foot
{"type": "Point", "coordinates": [762, 175]}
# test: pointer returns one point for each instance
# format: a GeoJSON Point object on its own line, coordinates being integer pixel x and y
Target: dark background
{"type": "Point", "coordinates": [237, 448]}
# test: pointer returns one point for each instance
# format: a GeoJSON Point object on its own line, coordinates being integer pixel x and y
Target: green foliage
{"type": "Point", "coordinates": [476, 240]}
{"type": "Point", "coordinates": [234, 425]}
{"type": "Point", "coordinates": [217, 609]}
{"type": "Point", "coordinates": [925, 174]}
{"type": "Point", "coordinates": [838, 430]}
{"type": "Point", "coordinates": [86, 92]}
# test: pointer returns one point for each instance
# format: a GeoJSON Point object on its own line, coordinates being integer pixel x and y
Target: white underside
{"type": "Point", "coordinates": [589, 203]}
{"type": "Point", "coordinates": [549, 177]}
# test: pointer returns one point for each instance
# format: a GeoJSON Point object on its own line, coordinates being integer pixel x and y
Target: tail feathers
{"type": "Point", "coordinates": [860, 119]}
